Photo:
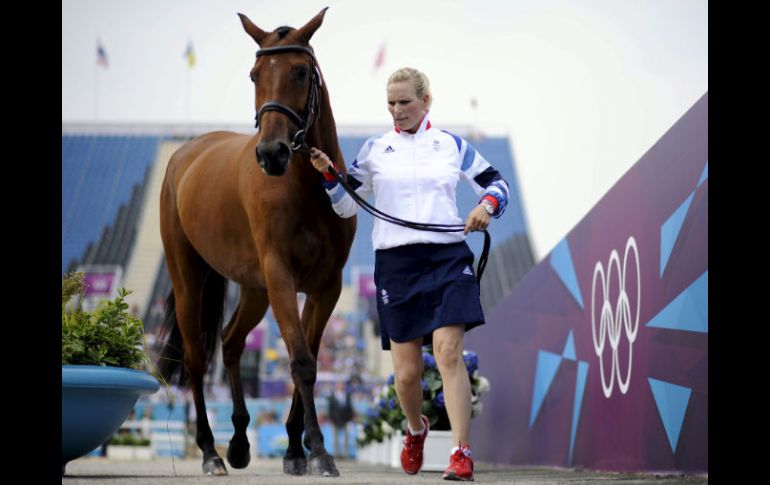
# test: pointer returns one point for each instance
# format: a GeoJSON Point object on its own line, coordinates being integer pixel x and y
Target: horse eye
{"type": "Point", "coordinates": [253, 77]}
{"type": "Point", "coordinates": [301, 74]}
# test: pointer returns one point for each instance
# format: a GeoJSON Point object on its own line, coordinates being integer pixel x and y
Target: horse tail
{"type": "Point", "coordinates": [171, 362]}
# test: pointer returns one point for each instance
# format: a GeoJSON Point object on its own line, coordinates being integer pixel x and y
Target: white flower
{"type": "Point", "coordinates": [483, 385]}
{"type": "Point", "coordinates": [386, 427]}
{"type": "Point", "coordinates": [476, 409]}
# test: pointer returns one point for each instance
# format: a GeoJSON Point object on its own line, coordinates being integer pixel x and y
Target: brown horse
{"type": "Point", "coordinates": [252, 209]}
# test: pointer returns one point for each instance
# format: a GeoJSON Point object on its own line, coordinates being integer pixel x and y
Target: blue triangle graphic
{"type": "Point", "coordinates": [705, 174]}
{"type": "Point", "coordinates": [672, 403]}
{"type": "Point", "coordinates": [545, 370]}
{"type": "Point", "coordinates": [569, 347]}
{"type": "Point", "coordinates": [669, 231]}
{"type": "Point", "coordinates": [580, 387]}
{"type": "Point", "coordinates": [561, 262]}
{"type": "Point", "coordinates": [689, 311]}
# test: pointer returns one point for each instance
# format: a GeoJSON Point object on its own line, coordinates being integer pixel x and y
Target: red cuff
{"type": "Point", "coordinates": [328, 176]}
{"type": "Point", "coordinates": [492, 200]}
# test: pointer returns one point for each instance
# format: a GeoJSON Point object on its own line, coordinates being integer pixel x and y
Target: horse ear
{"type": "Point", "coordinates": [255, 32]}
{"type": "Point", "coordinates": [307, 30]}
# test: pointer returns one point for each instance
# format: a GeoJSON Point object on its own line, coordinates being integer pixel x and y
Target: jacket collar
{"type": "Point", "coordinates": [424, 125]}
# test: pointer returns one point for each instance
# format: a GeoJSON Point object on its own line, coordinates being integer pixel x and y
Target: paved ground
{"type": "Point", "coordinates": [92, 471]}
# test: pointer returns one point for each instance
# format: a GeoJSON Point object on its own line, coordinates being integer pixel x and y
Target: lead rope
{"type": "Point", "coordinates": [420, 226]}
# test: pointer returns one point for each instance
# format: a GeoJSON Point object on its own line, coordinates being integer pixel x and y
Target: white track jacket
{"type": "Point", "coordinates": [414, 177]}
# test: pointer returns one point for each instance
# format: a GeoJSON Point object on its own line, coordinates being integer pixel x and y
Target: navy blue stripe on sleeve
{"type": "Point", "coordinates": [353, 182]}
{"type": "Point", "coordinates": [487, 177]}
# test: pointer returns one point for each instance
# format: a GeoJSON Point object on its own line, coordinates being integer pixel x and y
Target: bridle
{"type": "Point", "coordinates": [312, 106]}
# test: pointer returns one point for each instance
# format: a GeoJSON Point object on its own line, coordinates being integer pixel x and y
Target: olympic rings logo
{"type": "Point", "coordinates": [613, 320]}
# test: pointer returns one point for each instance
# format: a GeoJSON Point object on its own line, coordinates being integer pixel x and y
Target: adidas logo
{"type": "Point", "coordinates": [468, 271]}
{"type": "Point", "coordinates": [389, 150]}
{"type": "Point", "coordinates": [385, 298]}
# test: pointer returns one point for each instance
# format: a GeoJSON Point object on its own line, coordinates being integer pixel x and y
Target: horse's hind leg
{"type": "Point", "coordinates": [251, 308]}
{"type": "Point", "coordinates": [188, 308]}
{"type": "Point", "coordinates": [318, 308]}
{"type": "Point", "coordinates": [194, 284]}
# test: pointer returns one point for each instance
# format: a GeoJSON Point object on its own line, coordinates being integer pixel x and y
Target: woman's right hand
{"type": "Point", "coordinates": [320, 160]}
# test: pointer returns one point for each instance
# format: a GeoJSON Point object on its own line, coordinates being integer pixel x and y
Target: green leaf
{"type": "Point", "coordinates": [427, 408]}
{"type": "Point", "coordinates": [108, 335]}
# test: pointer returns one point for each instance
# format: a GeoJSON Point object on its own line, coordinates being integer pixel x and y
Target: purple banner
{"type": "Point", "coordinates": [254, 339]}
{"type": "Point", "coordinates": [599, 357]}
{"type": "Point", "coordinates": [366, 286]}
{"type": "Point", "coordinates": [99, 285]}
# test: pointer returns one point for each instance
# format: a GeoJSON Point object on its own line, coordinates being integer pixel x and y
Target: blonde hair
{"type": "Point", "coordinates": [418, 79]}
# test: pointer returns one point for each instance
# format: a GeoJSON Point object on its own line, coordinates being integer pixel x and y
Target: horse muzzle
{"type": "Point", "coordinates": [273, 157]}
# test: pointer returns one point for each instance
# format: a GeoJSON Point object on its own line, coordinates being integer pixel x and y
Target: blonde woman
{"type": "Point", "coordinates": [427, 293]}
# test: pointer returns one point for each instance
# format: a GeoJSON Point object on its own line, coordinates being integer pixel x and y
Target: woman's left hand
{"type": "Point", "coordinates": [478, 219]}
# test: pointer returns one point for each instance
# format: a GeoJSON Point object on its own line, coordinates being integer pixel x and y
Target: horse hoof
{"type": "Point", "coordinates": [214, 467]}
{"type": "Point", "coordinates": [295, 466]}
{"type": "Point", "coordinates": [323, 465]}
{"type": "Point", "coordinates": [238, 454]}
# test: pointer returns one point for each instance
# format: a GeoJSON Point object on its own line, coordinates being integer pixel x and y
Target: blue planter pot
{"type": "Point", "coordinates": [94, 403]}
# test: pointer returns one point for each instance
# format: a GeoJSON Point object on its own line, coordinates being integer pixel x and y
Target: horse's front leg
{"type": "Point", "coordinates": [302, 362]}
{"type": "Point", "coordinates": [318, 308]}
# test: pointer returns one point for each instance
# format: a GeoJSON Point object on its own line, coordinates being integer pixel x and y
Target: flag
{"type": "Point", "coordinates": [189, 54]}
{"type": "Point", "coordinates": [101, 55]}
{"type": "Point", "coordinates": [379, 60]}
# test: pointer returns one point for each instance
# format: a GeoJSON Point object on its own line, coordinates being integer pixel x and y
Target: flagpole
{"type": "Point", "coordinates": [96, 92]}
{"type": "Point", "coordinates": [189, 56]}
{"type": "Point", "coordinates": [474, 118]}
{"type": "Point", "coordinates": [187, 95]}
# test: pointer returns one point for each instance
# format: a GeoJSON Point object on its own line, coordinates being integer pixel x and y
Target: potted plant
{"type": "Point", "coordinates": [102, 369]}
{"type": "Point", "coordinates": [128, 446]}
{"type": "Point", "coordinates": [384, 425]}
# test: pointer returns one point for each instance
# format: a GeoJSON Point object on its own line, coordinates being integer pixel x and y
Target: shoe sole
{"type": "Point", "coordinates": [455, 478]}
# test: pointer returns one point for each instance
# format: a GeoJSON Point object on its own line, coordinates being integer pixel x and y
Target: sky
{"type": "Point", "coordinates": [582, 88]}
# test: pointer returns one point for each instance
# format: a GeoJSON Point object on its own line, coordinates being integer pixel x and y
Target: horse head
{"type": "Point", "coordinates": [287, 84]}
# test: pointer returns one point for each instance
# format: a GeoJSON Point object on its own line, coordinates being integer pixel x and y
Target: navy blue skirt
{"type": "Point", "coordinates": [421, 287]}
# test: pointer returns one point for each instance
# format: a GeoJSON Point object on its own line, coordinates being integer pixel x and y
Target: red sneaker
{"type": "Point", "coordinates": [411, 455]}
{"type": "Point", "coordinates": [460, 465]}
